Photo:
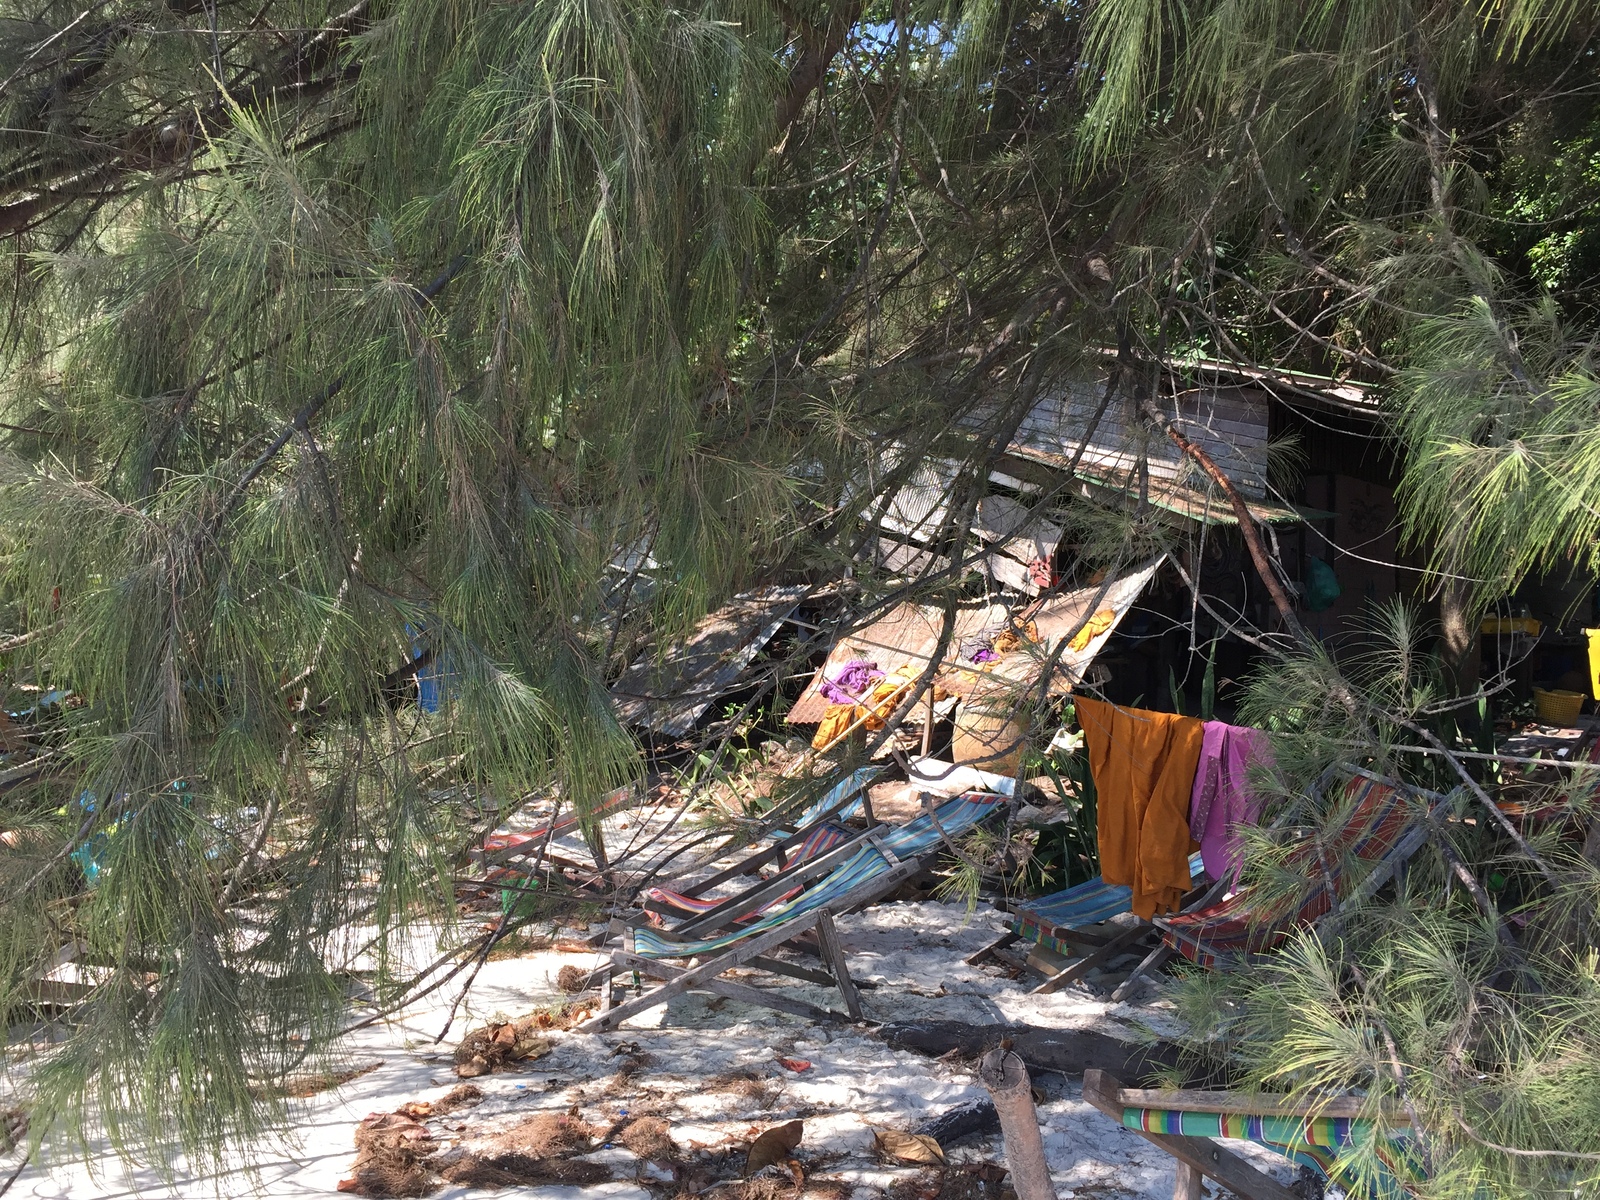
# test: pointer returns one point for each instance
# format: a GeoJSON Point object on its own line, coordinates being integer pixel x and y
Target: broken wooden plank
{"type": "Point", "coordinates": [1014, 528]}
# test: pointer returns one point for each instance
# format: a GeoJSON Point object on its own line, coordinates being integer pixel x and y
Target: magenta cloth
{"type": "Point", "coordinates": [1222, 801]}
{"type": "Point", "coordinates": [850, 682]}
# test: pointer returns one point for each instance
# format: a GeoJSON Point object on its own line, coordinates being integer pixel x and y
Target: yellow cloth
{"type": "Point", "coordinates": [1594, 661]}
{"type": "Point", "coordinates": [1012, 639]}
{"type": "Point", "coordinates": [834, 724]}
{"type": "Point", "coordinates": [1144, 765]}
{"type": "Point", "coordinates": [1097, 625]}
{"type": "Point", "coordinates": [880, 702]}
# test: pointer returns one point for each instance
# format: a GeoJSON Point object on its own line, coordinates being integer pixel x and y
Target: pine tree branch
{"type": "Point", "coordinates": [307, 413]}
{"type": "Point", "coordinates": [50, 182]}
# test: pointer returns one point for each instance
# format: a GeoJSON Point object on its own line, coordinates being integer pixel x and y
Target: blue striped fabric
{"type": "Point", "coordinates": [823, 838]}
{"type": "Point", "coordinates": [856, 782]}
{"type": "Point", "coordinates": [911, 840]}
{"type": "Point", "coordinates": [1084, 904]}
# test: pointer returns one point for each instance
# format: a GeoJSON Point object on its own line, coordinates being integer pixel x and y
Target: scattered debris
{"type": "Point", "coordinates": [463, 1095]}
{"type": "Point", "coordinates": [648, 1137]}
{"type": "Point", "coordinates": [665, 693]}
{"type": "Point", "coordinates": [754, 1087]}
{"type": "Point", "coordinates": [971, 1181]}
{"type": "Point", "coordinates": [494, 1046]}
{"type": "Point", "coordinates": [512, 1169]}
{"type": "Point", "coordinates": [390, 1148]}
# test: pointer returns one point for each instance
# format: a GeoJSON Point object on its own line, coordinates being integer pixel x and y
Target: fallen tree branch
{"type": "Point", "coordinates": [1241, 511]}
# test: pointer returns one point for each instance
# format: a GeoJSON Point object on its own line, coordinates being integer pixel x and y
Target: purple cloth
{"type": "Point", "coordinates": [850, 682]}
{"type": "Point", "coordinates": [1222, 801]}
{"type": "Point", "coordinates": [979, 649]}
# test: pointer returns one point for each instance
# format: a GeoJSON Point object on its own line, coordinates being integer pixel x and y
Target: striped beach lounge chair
{"type": "Point", "coordinates": [1318, 1135]}
{"type": "Point", "coordinates": [1384, 828]}
{"type": "Point", "coordinates": [856, 873]}
{"type": "Point", "coordinates": [503, 847]}
{"type": "Point", "coordinates": [818, 831]}
{"type": "Point", "coordinates": [1061, 922]}
{"type": "Point", "coordinates": [821, 839]}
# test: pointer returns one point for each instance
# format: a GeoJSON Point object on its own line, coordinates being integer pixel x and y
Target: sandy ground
{"type": "Point", "coordinates": [677, 1061]}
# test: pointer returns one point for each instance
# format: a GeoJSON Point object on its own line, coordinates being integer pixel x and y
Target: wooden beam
{"type": "Point", "coordinates": [833, 955]}
{"type": "Point", "coordinates": [1152, 961]}
{"type": "Point", "coordinates": [1092, 960]}
{"type": "Point", "coordinates": [1256, 1104]}
{"type": "Point", "coordinates": [742, 992]}
{"type": "Point", "coordinates": [988, 951]}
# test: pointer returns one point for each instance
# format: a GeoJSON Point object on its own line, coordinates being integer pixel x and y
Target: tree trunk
{"type": "Point", "coordinates": [1004, 1074]}
{"type": "Point", "coordinates": [1457, 609]}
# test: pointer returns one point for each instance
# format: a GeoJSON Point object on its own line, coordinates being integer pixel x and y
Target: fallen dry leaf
{"type": "Point", "coordinates": [917, 1148]}
{"type": "Point", "coordinates": [463, 1095]}
{"type": "Point", "coordinates": [773, 1146]}
{"type": "Point", "coordinates": [794, 1064]}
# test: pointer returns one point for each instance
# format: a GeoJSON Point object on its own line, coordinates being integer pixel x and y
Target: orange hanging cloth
{"type": "Point", "coordinates": [1143, 765]}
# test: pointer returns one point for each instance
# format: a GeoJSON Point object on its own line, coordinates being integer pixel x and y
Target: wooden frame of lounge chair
{"type": "Point", "coordinates": [765, 894]}
{"type": "Point", "coordinates": [1098, 948]}
{"type": "Point", "coordinates": [1202, 1158]}
{"type": "Point", "coordinates": [775, 852]}
{"type": "Point", "coordinates": [686, 904]}
{"type": "Point", "coordinates": [753, 950]}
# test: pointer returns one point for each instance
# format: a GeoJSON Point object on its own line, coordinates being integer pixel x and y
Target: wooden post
{"type": "Point", "coordinates": [1006, 1077]}
{"type": "Point", "coordinates": [1186, 1183]}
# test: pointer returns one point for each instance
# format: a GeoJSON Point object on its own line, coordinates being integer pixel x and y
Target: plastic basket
{"type": "Point", "coordinates": [1558, 707]}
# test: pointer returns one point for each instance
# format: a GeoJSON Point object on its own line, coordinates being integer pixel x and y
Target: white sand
{"type": "Point", "coordinates": [913, 951]}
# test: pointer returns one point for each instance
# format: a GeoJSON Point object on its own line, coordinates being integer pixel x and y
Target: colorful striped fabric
{"type": "Point", "coordinates": [500, 843]}
{"type": "Point", "coordinates": [1045, 920]}
{"type": "Point", "coordinates": [1244, 924]}
{"type": "Point", "coordinates": [909, 841]}
{"type": "Point", "coordinates": [1315, 1142]}
{"type": "Point", "coordinates": [822, 839]}
{"type": "Point", "coordinates": [856, 782]}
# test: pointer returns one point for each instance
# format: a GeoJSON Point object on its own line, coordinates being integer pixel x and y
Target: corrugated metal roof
{"type": "Point", "coordinates": [909, 634]}
{"type": "Point", "coordinates": [666, 694]}
{"type": "Point", "coordinates": [1197, 504]}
